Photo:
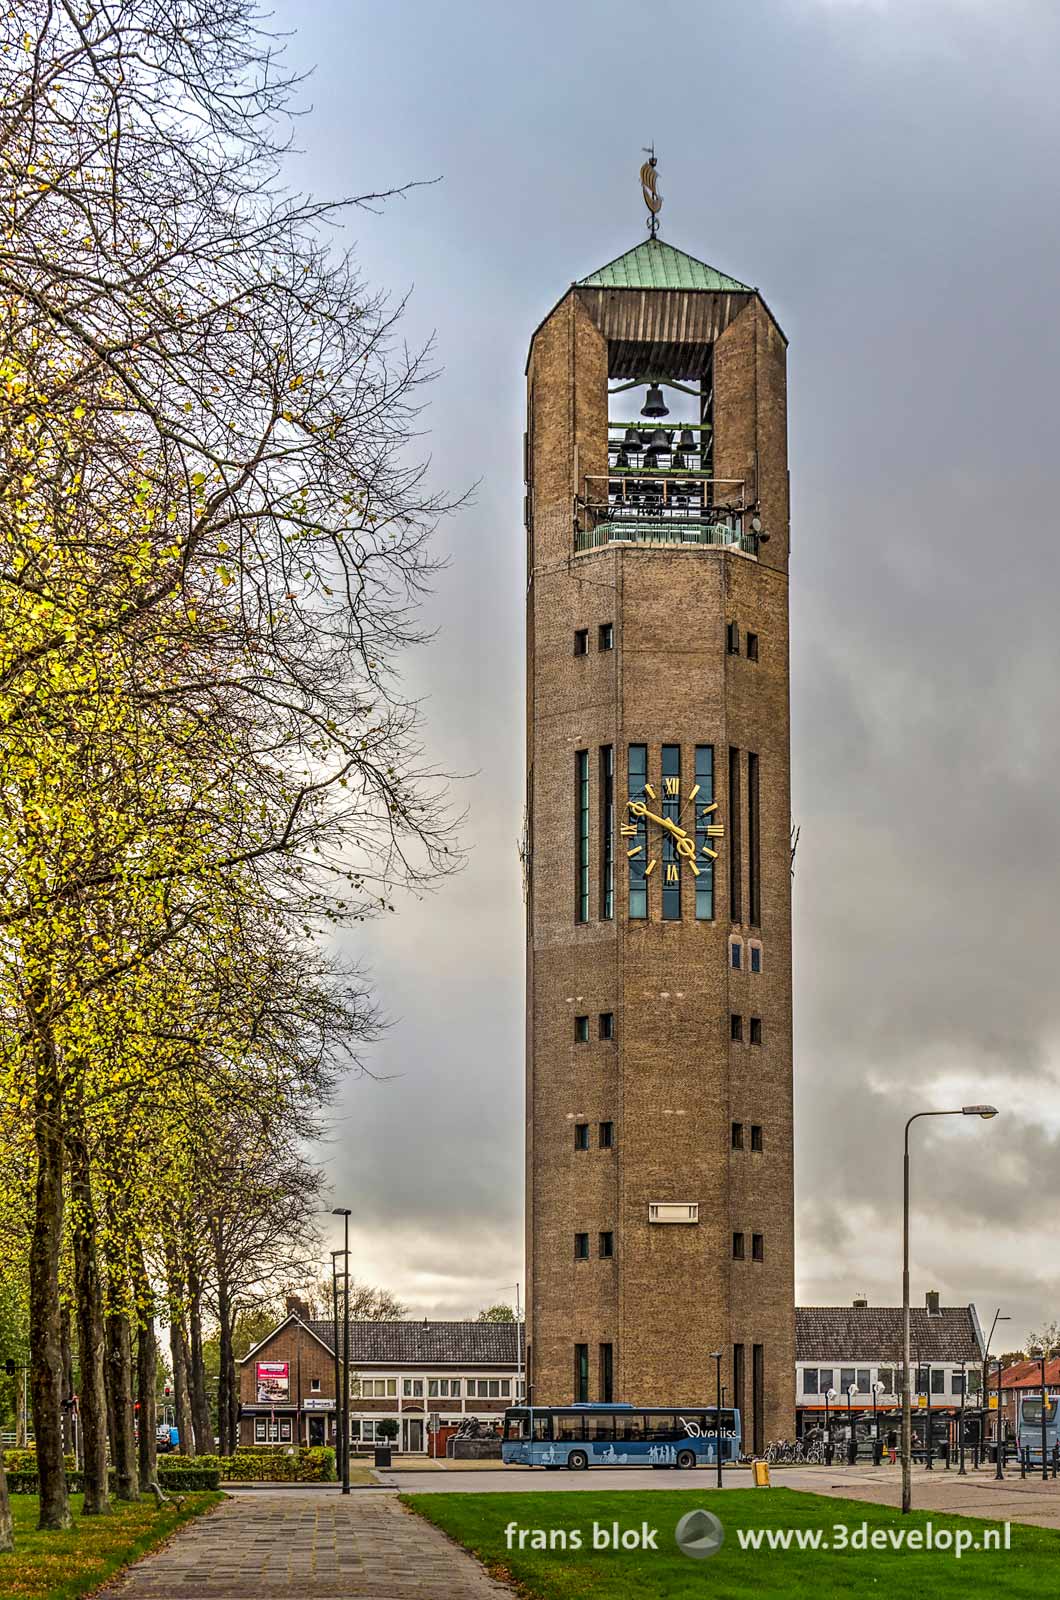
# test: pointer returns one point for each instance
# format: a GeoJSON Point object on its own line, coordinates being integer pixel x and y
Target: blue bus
{"type": "Point", "coordinates": [1030, 1425]}
{"type": "Point", "coordinates": [580, 1436]}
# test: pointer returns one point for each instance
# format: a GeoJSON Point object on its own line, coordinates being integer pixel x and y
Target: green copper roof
{"type": "Point", "coordinates": [655, 265]}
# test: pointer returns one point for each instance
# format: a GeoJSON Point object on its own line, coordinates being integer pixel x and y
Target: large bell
{"type": "Point", "coordinates": [654, 405]}
{"type": "Point", "coordinates": [678, 464]}
{"type": "Point", "coordinates": [651, 460]}
{"type": "Point", "coordinates": [621, 461]}
{"type": "Point", "coordinates": [632, 440]}
{"type": "Point", "coordinates": [688, 441]}
{"type": "Point", "coordinates": [660, 440]}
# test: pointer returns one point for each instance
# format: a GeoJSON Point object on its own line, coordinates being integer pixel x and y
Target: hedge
{"type": "Point", "coordinates": [190, 1478]}
{"type": "Point", "coordinates": [315, 1465]}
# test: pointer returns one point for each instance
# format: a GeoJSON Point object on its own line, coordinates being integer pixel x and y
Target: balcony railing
{"type": "Point", "coordinates": [665, 507]}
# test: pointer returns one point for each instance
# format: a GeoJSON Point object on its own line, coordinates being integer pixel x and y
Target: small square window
{"type": "Point", "coordinates": [607, 1245]}
{"type": "Point", "coordinates": [756, 958]}
{"type": "Point", "coordinates": [581, 1247]}
{"type": "Point", "coordinates": [581, 1030]}
{"type": "Point", "coordinates": [752, 647]}
{"type": "Point", "coordinates": [732, 638]}
{"type": "Point", "coordinates": [756, 1136]}
{"type": "Point", "coordinates": [581, 642]}
{"type": "Point", "coordinates": [581, 1136]}
{"type": "Point", "coordinates": [756, 1030]}
{"type": "Point", "coordinates": [757, 1252]}
{"type": "Point", "coordinates": [607, 636]}
{"type": "Point", "coordinates": [314, 1384]}
{"type": "Point", "coordinates": [737, 1135]}
{"type": "Point", "coordinates": [737, 1247]}
{"type": "Point", "coordinates": [734, 954]}
{"type": "Point", "coordinates": [607, 1024]}
{"type": "Point", "coordinates": [736, 1027]}
{"type": "Point", "coordinates": [607, 1135]}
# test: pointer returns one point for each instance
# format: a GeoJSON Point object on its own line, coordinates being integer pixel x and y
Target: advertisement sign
{"type": "Point", "coordinates": [274, 1382]}
{"type": "Point", "coordinates": [317, 1402]}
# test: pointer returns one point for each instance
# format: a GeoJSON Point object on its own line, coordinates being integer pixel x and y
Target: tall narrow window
{"type": "Point", "coordinates": [636, 841]}
{"type": "Point", "coordinates": [732, 638]}
{"type": "Point", "coordinates": [754, 849]}
{"type": "Point", "coordinates": [581, 836]}
{"type": "Point", "coordinates": [581, 1247]}
{"type": "Point", "coordinates": [758, 1394]}
{"type": "Point", "coordinates": [735, 902]}
{"type": "Point", "coordinates": [607, 1374]}
{"type": "Point", "coordinates": [706, 818]}
{"type": "Point", "coordinates": [607, 832]}
{"type": "Point", "coordinates": [737, 1135]}
{"type": "Point", "coordinates": [671, 810]}
{"type": "Point", "coordinates": [581, 1136]}
{"type": "Point", "coordinates": [739, 1379]}
{"type": "Point", "coordinates": [581, 1374]}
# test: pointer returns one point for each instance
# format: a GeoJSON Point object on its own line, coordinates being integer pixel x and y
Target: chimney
{"type": "Point", "coordinates": [860, 1304]}
{"type": "Point", "coordinates": [297, 1307]}
{"type": "Point", "coordinates": [931, 1299]}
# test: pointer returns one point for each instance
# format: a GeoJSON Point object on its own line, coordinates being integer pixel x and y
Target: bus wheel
{"type": "Point", "coordinates": [686, 1459]}
{"type": "Point", "coordinates": [577, 1461]}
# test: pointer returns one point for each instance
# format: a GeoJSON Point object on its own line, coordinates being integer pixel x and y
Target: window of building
{"type": "Point", "coordinates": [737, 1247]}
{"type": "Point", "coordinates": [756, 957]}
{"type": "Point", "coordinates": [706, 818]}
{"type": "Point", "coordinates": [607, 1024]}
{"type": "Point", "coordinates": [756, 1030]}
{"type": "Point", "coordinates": [581, 836]}
{"type": "Point", "coordinates": [581, 1030]}
{"type": "Point", "coordinates": [375, 1388]}
{"type": "Point", "coordinates": [607, 1245]}
{"type": "Point", "coordinates": [735, 843]}
{"type": "Point", "coordinates": [809, 1380]}
{"type": "Point", "coordinates": [736, 1027]}
{"type": "Point", "coordinates": [735, 954]}
{"type": "Point", "coordinates": [454, 1388]}
{"type": "Point", "coordinates": [581, 1374]}
{"type": "Point", "coordinates": [846, 1378]}
{"type": "Point", "coordinates": [754, 844]}
{"type": "Point", "coordinates": [739, 1375]}
{"type": "Point", "coordinates": [581, 1247]}
{"type": "Point", "coordinates": [756, 1136]}
{"type": "Point", "coordinates": [635, 832]}
{"type": "Point", "coordinates": [758, 1398]}
{"type": "Point", "coordinates": [732, 638]}
{"type": "Point", "coordinates": [864, 1380]}
{"type": "Point", "coordinates": [938, 1380]}
{"type": "Point", "coordinates": [581, 1136]}
{"type": "Point", "coordinates": [272, 1430]}
{"type": "Point", "coordinates": [975, 1378]}
{"type": "Point", "coordinates": [737, 1135]}
{"type": "Point", "coordinates": [607, 832]}
{"type": "Point", "coordinates": [581, 642]}
{"type": "Point", "coordinates": [607, 636]}
{"type": "Point", "coordinates": [757, 1247]}
{"type": "Point", "coordinates": [314, 1384]}
{"type": "Point", "coordinates": [671, 810]}
{"type": "Point", "coordinates": [827, 1379]}
{"type": "Point", "coordinates": [752, 647]}
{"type": "Point", "coordinates": [885, 1376]}
{"type": "Point", "coordinates": [607, 1135]}
{"type": "Point", "coordinates": [607, 1374]}
{"type": "Point", "coordinates": [412, 1388]}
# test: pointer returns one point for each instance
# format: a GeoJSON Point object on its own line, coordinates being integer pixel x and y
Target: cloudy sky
{"type": "Point", "coordinates": [886, 171]}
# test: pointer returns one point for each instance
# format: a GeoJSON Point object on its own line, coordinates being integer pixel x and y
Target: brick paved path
{"type": "Point", "coordinates": [271, 1547]}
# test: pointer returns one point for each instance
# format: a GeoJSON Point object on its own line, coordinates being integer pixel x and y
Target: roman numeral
{"type": "Point", "coordinates": [671, 872]}
{"type": "Point", "coordinates": [650, 868]}
{"type": "Point", "coordinates": [628, 830]}
{"type": "Point", "coordinates": [716, 830]}
{"type": "Point", "coordinates": [672, 786]}
{"type": "Point", "coordinates": [649, 791]}
{"type": "Point", "coordinates": [704, 811]}
{"type": "Point", "coordinates": [707, 851]}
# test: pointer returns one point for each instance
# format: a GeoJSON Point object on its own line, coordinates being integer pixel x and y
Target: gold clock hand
{"type": "Point", "coordinates": [639, 809]}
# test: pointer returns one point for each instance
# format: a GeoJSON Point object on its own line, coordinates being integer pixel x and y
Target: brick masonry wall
{"type": "Point", "coordinates": [671, 1081]}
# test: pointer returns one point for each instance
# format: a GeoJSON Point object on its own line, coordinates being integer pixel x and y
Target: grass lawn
{"type": "Point", "coordinates": [1028, 1569]}
{"type": "Point", "coordinates": [62, 1566]}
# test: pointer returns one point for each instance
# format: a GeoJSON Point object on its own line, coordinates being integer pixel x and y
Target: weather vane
{"type": "Point", "coordinates": [652, 198]}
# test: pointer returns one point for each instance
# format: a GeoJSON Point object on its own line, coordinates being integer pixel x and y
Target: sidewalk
{"type": "Point", "coordinates": [277, 1547]}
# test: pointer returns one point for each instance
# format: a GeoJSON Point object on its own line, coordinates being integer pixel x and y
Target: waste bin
{"type": "Point", "coordinates": [382, 1455]}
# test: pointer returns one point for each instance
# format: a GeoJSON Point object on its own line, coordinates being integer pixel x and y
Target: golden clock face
{"type": "Point", "coordinates": [672, 829]}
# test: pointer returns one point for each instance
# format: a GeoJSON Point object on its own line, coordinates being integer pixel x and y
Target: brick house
{"type": "Point", "coordinates": [407, 1370]}
{"type": "Point", "coordinates": [836, 1346]}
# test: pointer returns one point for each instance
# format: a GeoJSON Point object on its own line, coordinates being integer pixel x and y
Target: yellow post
{"type": "Point", "coordinates": [760, 1474]}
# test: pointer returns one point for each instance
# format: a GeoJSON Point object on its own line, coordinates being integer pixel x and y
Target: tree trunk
{"type": "Point", "coordinates": [88, 1298]}
{"type": "Point", "coordinates": [46, 1357]}
{"type": "Point", "coordinates": [178, 1351]}
{"type": "Point", "coordinates": [146, 1375]}
{"type": "Point", "coordinates": [228, 1438]}
{"type": "Point", "coordinates": [119, 1382]}
{"type": "Point", "coordinates": [233, 1394]}
{"type": "Point", "coordinates": [200, 1404]}
{"type": "Point", "coordinates": [7, 1527]}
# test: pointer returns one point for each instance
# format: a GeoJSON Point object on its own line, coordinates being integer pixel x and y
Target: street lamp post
{"type": "Point", "coordinates": [961, 1470]}
{"type": "Point", "coordinates": [344, 1213]}
{"type": "Point", "coordinates": [907, 1419]}
{"type": "Point", "coordinates": [339, 1448]}
{"type": "Point", "coordinates": [999, 1470]}
{"type": "Point", "coordinates": [829, 1396]}
{"type": "Point", "coordinates": [1045, 1408]}
{"type": "Point", "coordinates": [716, 1357]}
{"type": "Point", "coordinates": [852, 1449]}
{"type": "Point", "coordinates": [877, 1390]}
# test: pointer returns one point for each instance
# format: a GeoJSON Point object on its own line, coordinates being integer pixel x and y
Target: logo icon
{"type": "Point", "coordinates": [699, 1534]}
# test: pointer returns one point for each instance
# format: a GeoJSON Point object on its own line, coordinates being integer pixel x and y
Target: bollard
{"type": "Point", "coordinates": [1023, 1462]}
{"type": "Point", "coordinates": [930, 1452]}
{"type": "Point", "coordinates": [1056, 1454]}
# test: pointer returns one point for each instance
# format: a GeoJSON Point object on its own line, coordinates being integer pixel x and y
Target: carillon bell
{"type": "Point", "coordinates": [632, 440]}
{"type": "Point", "coordinates": [654, 405]}
{"type": "Point", "coordinates": [660, 440]}
{"type": "Point", "coordinates": [678, 464]}
{"type": "Point", "coordinates": [688, 441]}
{"type": "Point", "coordinates": [621, 460]}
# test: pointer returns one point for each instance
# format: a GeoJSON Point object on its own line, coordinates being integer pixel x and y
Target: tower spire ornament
{"type": "Point", "coordinates": [652, 198]}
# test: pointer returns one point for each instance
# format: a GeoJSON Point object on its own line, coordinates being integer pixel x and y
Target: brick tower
{"type": "Point", "coordinates": [659, 1064]}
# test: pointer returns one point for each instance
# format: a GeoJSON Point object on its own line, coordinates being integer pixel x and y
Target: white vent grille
{"type": "Point", "coordinates": [672, 1211]}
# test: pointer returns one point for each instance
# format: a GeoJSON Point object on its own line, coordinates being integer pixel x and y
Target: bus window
{"type": "Point", "coordinates": [571, 1425]}
{"type": "Point", "coordinates": [1032, 1411]}
{"type": "Point", "coordinates": [517, 1425]}
{"type": "Point", "coordinates": [663, 1428]}
{"type": "Point", "coordinates": [542, 1427]}
{"type": "Point", "coordinates": [602, 1429]}
{"type": "Point", "coordinates": [631, 1428]}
